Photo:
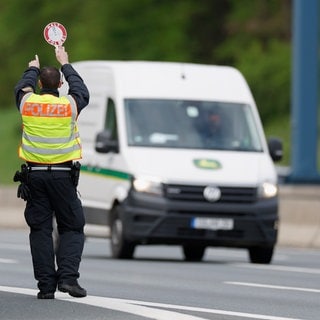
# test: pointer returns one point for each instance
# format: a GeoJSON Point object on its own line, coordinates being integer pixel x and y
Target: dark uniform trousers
{"type": "Point", "coordinates": [53, 193]}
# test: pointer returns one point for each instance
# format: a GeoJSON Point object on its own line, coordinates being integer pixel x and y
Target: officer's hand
{"type": "Point", "coordinates": [35, 62]}
{"type": "Point", "coordinates": [23, 192]}
{"type": "Point", "coordinates": [62, 55]}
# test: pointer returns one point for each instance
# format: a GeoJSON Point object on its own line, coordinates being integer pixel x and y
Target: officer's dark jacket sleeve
{"type": "Point", "coordinates": [26, 84]}
{"type": "Point", "coordinates": [77, 89]}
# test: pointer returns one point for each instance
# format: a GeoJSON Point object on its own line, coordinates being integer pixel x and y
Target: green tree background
{"type": "Point", "coordinates": [253, 36]}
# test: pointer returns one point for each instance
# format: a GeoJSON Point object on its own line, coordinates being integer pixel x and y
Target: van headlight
{"type": "Point", "coordinates": [148, 185]}
{"type": "Point", "coordinates": [268, 190]}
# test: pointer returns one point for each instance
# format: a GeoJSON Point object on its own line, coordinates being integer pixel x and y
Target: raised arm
{"type": "Point", "coordinates": [28, 82]}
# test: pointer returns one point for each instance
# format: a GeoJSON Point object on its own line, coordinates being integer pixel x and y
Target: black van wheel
{"type": "Point", "coordinates": [193, 252]}
{"type": "Point", "coordinates": [261, 254]}
{"type": "Point", "coordinates": [121, 248]}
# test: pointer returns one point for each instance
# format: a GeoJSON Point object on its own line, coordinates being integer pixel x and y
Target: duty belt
{"type": "Point", "coordinates": [48, 168]}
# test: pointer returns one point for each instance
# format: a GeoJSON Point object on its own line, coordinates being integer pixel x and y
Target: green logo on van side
{"type": "Point", "coordinates": [207, 164]}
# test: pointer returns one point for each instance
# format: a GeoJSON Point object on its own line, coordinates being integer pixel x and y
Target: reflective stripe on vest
{"type": "Point", "coordinates": [50, 133]}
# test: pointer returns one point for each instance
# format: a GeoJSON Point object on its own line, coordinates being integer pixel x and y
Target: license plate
{"type": "Point", "coordinates": [212, 223]}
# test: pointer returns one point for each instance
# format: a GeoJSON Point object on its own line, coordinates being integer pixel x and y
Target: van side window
{"type": "Point", "coordinates": [111, 119]}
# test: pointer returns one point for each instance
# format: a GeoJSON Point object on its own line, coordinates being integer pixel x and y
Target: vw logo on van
{"type": "Point", "coordinates": [212, 193]}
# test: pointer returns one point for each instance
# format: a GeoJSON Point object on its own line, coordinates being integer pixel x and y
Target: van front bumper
{"type": "Point", "coordinates": [154, 220]}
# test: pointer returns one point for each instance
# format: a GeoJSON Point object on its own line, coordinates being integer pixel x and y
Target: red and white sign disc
{"type": "Point", "coordinates": [55, 33]}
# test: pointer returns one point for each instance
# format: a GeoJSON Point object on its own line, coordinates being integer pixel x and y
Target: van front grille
{"type": "Point", "coordinates": [195, 193]}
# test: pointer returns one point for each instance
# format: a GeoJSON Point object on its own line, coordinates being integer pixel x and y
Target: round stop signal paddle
{"type": "Point", "coordinates": [55, 34]}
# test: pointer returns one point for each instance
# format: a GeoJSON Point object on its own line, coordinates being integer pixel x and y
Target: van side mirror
{"type": "Point", "coordinates": [275, 149]}
{"type": "Point", "coordinates": [104, 142]}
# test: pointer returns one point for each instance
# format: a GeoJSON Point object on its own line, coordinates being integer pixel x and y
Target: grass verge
{"type": "Point", "coordinates": [10, 134]}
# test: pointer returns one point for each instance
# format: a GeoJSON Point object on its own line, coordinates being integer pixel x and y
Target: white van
{"type": "Point", "coordinates": [175, 153]}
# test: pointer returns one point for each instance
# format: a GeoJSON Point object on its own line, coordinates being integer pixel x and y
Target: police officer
{"type": "Point", "coordinates": [50, 144]}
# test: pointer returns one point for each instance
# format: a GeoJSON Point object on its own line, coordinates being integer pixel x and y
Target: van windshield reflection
{"type": "Point", "coordinates": [191, 125]}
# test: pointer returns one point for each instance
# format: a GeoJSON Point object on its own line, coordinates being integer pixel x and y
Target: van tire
{"type": "Point", "coordinates": [193, 252]}
{"type": "Point", "coordinates": [261, 254]}
{"type": "Point", "coordinates": [121, 248]}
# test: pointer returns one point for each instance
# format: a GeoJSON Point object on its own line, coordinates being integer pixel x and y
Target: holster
{"type": "Point", "coordinates": [75, 173]}
{"type": "Point", "coordinates": [22, 176]}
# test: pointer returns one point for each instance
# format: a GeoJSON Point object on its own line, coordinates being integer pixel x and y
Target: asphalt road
{"type": "Point", "coordinates": [158, 284]}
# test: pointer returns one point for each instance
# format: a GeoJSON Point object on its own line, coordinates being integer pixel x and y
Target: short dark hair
{"type": "Point", "coordinates": [50, 77]}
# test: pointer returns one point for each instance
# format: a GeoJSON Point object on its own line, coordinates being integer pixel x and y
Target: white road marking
{"type": "Point", "coordinates": [9, 261]}
{"type": "Point", "coordinates": [146, 309]}
{"type": "Point", "coordinates": [259, 285]}
{"type": "Point", "coordinates": [213, 311]}
{"type": "Point", "coordinates": [279, 268]}
{"type": "Point", "coordinates": [139, 309]}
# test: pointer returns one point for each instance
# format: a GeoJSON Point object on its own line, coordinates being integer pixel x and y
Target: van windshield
{"type": "Point", "coordinates": [191, 124]}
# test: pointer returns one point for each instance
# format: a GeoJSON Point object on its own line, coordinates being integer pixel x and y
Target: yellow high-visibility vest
{"type": "Point", "coordinates": [50, 133]}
